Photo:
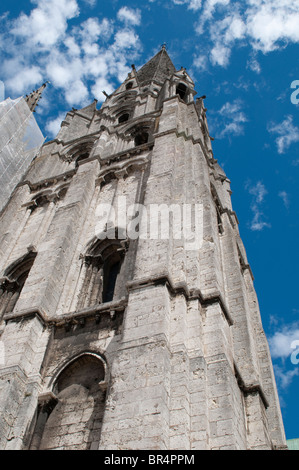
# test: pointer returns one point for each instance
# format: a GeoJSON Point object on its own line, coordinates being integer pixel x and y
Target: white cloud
{"type": "Point", "coordinates": [209, 9]}
{"type": "Point", "coordinates": [75, 59]}
{"type": "Point", "coordinates": [92, 29]}
{"type": "Point", "coordinates": [77, 93]}
{"type": "Point", "coordinates": [26, 78]}
{"type": "Point", "coordinates": [60, 74]}
{"type": "Point", "coordinates": [201, 63]}
{"type": "Point", "coordinates": [281, 343]}
{"type": "Point", "coordinates": [285, 198]}
{"type": "Point", "coordinates": [91, 3]}
{"type": "Point", "coordinates": [254, 65]}
{"type": "Point", "coordinates": [220, 55]}
{"type": "Point", "coordinates": [53, 126]}
{"type": "Point", "coordinates": [47, 23]}
{"type": "Point", "coordinates": [269, 22]}
{"type": "Point", "coordinates": [232, 119]}
{"type": "Point", "coordinates": [258, 191]}
{"type": "Point", "coordinates": [265, 25]}
{"type": "Point", "coordinates": [73, 48]}
{"type": "Point", "coordinates": [129, 16]}
{"type": "Point", "coordinates": [101, 85]}
{"type": "Point", "coordinates": [287, 132]}
{"type": "Point", "coordinates": [285, 377]}
{"type": "Point", "coordinates": [192, 4]}
{"type": "Point", "coordinates": [125, 39]}
{"type": "Point", "coordinates": [257, 223]}
{"type": "Point", "coordinates": [195, 5]}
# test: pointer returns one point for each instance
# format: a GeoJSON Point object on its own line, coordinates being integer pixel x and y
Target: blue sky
{"type": "Point", "coordinates": [243, 55]}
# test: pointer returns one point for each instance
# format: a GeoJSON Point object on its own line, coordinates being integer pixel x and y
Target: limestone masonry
{"type": "Point", "coordinates": [127, 343]}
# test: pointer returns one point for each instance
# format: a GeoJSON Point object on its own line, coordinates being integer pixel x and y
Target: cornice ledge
{"type": "Point", "coordinates": [58, 320]}
{"type": "Point", "coordinates": [250, 388]}
{"type": "Point", "coordinates": [35, 312]}
{"type": "Point", "coordinates": [181, 288]}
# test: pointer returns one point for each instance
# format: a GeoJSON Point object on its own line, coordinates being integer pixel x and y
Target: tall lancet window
{"type": "Point", "coordinates": [102, 266]}
{"type": "Point", "coordinates": [182, 91]}
{"type": "Point", "coordinates": [11, 285]}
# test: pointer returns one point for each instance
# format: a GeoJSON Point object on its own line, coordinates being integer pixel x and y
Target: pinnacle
{"type": "Point", "coordinates": [34, 97]}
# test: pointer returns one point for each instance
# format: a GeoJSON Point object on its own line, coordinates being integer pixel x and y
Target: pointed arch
{"type": "Point", "coordinates": [71, 419]}
{"type": "Point", "coordinates": [79, 151]}
{"type": "Point", "coordinates": [13, 282]}
{"type": "Point", "coordinates": [182, 90]}
{"type": "Point", "coordinates": [103, 262]}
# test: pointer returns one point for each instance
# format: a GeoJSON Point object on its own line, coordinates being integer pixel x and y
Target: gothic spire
{"type": "Point", "coordinates": [159, 68]}
{"type": "Point", "coordinates": [34, 97]}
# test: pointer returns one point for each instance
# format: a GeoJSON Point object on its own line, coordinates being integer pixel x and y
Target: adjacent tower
{"type": "Point", "coordinates": [113, 340]}
{"type": "Point", "coordinates": [20, 140]}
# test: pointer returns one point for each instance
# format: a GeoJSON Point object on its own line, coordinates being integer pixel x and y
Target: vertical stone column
{"type": "Point", "coordinates": [258, 437]}
{"type": "Point", "coordinates": [25, 342]}
{"type": "Point", "coordinates": [137, 409]}
{"type": "Point", "coordinates": [197, 383]}
{"type": "Point", "coordinates": [179, 403]}
{"type": "Point", "coordinates": [224, 396]}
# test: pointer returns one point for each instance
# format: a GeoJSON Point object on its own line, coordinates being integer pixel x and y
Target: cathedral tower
{"type": "Point", "coordinates": [129, 318]}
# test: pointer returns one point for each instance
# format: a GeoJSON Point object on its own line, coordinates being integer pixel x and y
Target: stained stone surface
{"type": "Point", "coordinates": [177, 359]}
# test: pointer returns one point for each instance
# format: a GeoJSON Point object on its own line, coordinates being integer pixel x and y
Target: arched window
{"type": "Point", "coordinates": [123, 118]}
{"type": "Point", "coordinates": [129, 85]}
{"type": "Point", "coordinates": [81, 157]}
{"type": "Point", "coordinates": [39, 201]}
{"type": "Point", "coordinates": [142, 132]}
{"type": "Point", "coordinates": [141, 138]}
{"type": "Point", "coordinates": [109, 280]}
{"type": "Point", "coordinates": [103, 265]}
{"type": "Point", "coordinates": [73, 420]}
{"type": "Point", "coordinates": [79, 152]}
{"type": "Point", "coordinates": [181, 90]}
{"type": "Point", "coordinates": [13, 283]}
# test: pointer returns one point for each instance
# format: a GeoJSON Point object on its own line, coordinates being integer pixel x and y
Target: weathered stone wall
{"type": "Point", "coordinates": [178, 359]}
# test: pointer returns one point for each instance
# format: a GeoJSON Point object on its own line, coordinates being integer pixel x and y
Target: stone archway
{"type": "Point", "coordinates": [75, 422]}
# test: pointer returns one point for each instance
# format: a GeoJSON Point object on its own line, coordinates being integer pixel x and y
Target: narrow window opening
{"type": "Point", "coordinates": [219, 220]}
{"type": "Point", "coordinates": [110, 278]}
{"type": "Point", "coordinates": [11, 288]}
{"type": "Point", "coordinates": [82, 157]}
{"type": "Point", "coordinates": [39, 201]}
{"type": "Point", "coordinates": [123, 118]}
{"type": "Point", "coordinates": [102, 270]}
{"type": "Point", "coordinates": [62, 193]}
{"type": "Point", "coordinates": [181, 90]}
{"type": "Point", "coordinates": [141, 138]}
{"type": "Point", "coordinates": [129, 86]}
